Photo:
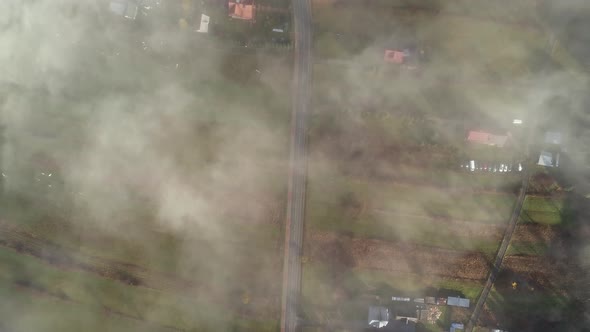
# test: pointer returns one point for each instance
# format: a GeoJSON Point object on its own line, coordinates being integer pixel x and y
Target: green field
{"type": "Point", "coordinates": [527, 249]}
{"type": "Point", "coordinates": [183, 311]}
{"type": "Point", "coordinates": [542, 210]}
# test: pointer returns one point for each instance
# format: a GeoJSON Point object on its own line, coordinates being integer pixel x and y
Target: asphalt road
{"type": "Point", "coordinates": [298, 166]}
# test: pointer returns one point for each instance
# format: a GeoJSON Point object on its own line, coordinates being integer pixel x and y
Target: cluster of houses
{"type": "Point", "coordinates": [406, 313]}
{"type": "Point", "coordinates": [549, 156]}
{"type": "Point", "coordinates": [237, 9]}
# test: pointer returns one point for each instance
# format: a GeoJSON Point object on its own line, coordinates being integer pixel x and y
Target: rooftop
{"type": "Point", "coordinates": [546, 159]}
{"type": "Point", "coordinates": [241, 9]}
{"type": "Point", "coordinates": [394, 56]}
{"type": "Point", "coordinates": [457, 327]}
{"type": "Point", "coordinates": [378, 316]}
{"type": "Point", "coordinates": [204, 26]}
{"type": "Point", "coordinates": [487, 138]}
{"type": "Point", "coordinates": [458, 302]}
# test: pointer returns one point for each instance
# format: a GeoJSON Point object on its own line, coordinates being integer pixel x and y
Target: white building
{"type": "Point", "coordinates": [546, 159]}
{"type": "Point", "coordinates": [204, 26]}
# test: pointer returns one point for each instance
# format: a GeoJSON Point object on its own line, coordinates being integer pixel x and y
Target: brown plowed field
{"type": "Point", "coordinates": [407, 258]}
{"type": "Point", "coordinates": [534, 233]}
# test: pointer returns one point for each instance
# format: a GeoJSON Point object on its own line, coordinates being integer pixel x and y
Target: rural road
{"type": "Point", "coordinates": [298, 166]}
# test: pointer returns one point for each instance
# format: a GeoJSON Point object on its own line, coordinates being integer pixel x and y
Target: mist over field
{"type": "Point", "coordinates": [392, 213]}
{"type": "Point", "coordinates": [118, 137]}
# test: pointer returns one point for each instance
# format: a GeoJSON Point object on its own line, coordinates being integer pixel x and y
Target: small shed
{"type": "Point", "coordinates": [400, 299]}
{"type": "Point", "coordinates": [204, 26]}
{"type": "Point", "coordinates": [458, 302]}
{"type": "Point", "coordinates": [546, 159]}
{"type": "Point", "coordinates": [457, 327]}
{"type": "Point", "coordinates": [430, 300]}
{"type": "Point", "coordinates": [378, 316]}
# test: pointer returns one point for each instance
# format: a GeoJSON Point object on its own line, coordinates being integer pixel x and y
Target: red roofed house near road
{"type": "Point", "coordinates": [394, 56]}
{"type": "Point", "coordinates": [241, 9]}
{"type": "Point", "coordinates": [487, 138]}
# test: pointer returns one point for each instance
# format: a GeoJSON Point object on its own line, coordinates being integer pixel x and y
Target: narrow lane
{"type": "Point", "coordinates": [298, 167]}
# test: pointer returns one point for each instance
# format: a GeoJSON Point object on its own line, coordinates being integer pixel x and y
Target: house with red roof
{"type": "Point", "coordinates": [394, 56]}
{"type": "Point", "coordinates": [481, 137]}
{"type": "Point", "coordinates": [241, 9]}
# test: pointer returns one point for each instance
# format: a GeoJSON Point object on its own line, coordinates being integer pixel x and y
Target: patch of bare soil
{"type": "Point", "coordinates": [403, 258]}
{"type": "Point", "coordinates": [541, 271]}
{"type": "Point", "coordinates": [408, 258]}
{"type": "Point", "coordinates": [534, 233]}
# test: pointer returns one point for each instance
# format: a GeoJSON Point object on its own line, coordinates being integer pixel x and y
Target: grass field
{"type": "Point", "coordinates": [542, 210]}
{"type": "Point", "coordinates": [520, 308]}
{"type": "Point", "coordinates": [94, 294]}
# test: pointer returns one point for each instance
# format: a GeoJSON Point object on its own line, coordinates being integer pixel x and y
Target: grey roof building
{"type": "Point", "coordinates": [457, 327]}
{"type": "Point", "coordinates": [546, 159]}
{"type": "Point", "coordinates": [458, 302]}
{"type": "Point", "coordinates": [403, 325]}
{"type": "Point", "coordinates": [378, 316]}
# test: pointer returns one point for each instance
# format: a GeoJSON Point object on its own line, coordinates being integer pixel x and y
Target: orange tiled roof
{"type": "Point", "coordinates": [241, 11]}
